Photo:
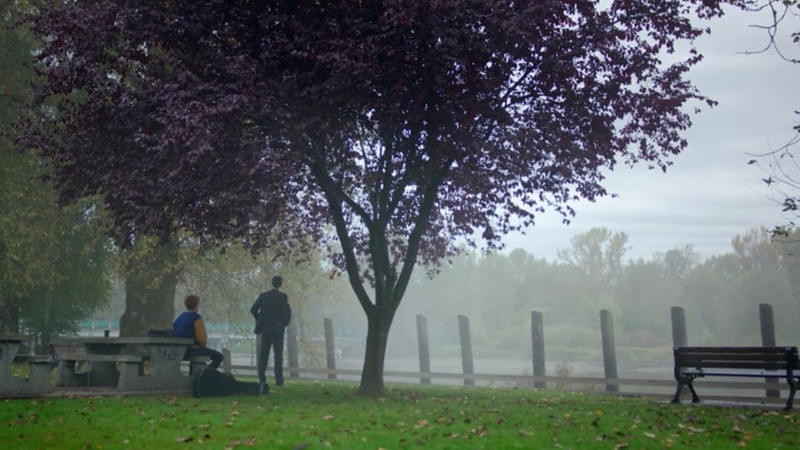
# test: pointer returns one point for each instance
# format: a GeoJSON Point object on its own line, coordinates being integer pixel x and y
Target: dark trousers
{"type": "Point", "coordinates": [271, 340]}
{"type": "Point", "coordinates": [216, 357]}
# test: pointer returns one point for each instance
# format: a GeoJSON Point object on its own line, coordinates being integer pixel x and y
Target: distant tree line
{"type": "Point", "coordinates": [720, 293]}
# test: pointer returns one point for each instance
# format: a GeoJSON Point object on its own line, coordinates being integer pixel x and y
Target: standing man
{"type": "Point", "coordinates": [273, 314]}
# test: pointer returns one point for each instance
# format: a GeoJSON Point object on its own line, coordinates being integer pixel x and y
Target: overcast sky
{"type": "Point", "coordinates": [710, 194]}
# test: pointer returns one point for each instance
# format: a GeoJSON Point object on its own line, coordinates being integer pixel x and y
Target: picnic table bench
{"type": "Point", "coordinates": [125, 363]}
{"type": "Point", "coordinates": [754, 362]}
{"type": "Point", "coordinates": [38, 379]}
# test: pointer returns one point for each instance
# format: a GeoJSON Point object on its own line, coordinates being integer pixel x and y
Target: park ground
{"type": "Point", "coordinates": [320, 415]}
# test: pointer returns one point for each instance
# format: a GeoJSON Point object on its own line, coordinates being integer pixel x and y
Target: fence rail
{"type": "Point", "coordinates": [611, 383]}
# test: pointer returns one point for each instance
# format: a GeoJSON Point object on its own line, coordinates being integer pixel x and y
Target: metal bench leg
{"type": "Point", "coordinates": [677, 398]}
{"type": "Point", "coordinates": [792, 390]}
{"type": "Point", "coordinates": [695, 398]}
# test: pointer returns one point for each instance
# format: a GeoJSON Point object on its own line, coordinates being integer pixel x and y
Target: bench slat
{"type": "Point", "coordinates": [730, 357]}
{"type": "Point", "coordinates": [99, 358]}
{"type": "Point", "coordinates": [734, 364]}
{"type": "Point", "coordinates": [780, 350]}
{"type": "Point", "coordinates": [33, 359]}
{"type": "Point", "coordinates": [751, 375]}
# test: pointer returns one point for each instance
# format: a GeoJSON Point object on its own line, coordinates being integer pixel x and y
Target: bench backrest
{"type": "Point", "coordinates": [764, 358]}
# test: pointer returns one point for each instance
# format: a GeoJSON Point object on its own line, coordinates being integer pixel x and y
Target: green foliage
{"type": "Point", "coordinates": [53, 259]}
{"type": "Point", "coordinates": [55, 265]}
{"type": "Point", "coordinates": [319, 415]}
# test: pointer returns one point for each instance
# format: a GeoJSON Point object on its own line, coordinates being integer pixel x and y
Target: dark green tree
{"type": "Point", "coordinates": [53, 259]}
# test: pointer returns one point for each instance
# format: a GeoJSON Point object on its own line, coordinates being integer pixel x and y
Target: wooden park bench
{"type": "Point", "coordinates": [753, 362]}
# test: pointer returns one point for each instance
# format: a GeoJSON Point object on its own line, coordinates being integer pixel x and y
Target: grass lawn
{"type": "Point", "coordinates": [321, 415]}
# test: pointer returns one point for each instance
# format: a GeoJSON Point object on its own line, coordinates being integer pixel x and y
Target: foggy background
{"type": "Point", "coordinates": [498, 291]}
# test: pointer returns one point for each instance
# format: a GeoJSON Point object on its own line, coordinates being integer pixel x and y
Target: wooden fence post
{"type": "Point", "coordinates": [537, 347]}
{"type": "Point", "coordinates": [466, 349]}
{"type": "Point", "coordinates": [424, 350]}
{"type": "Point", "coordinates": [291, 349]}
{"type": "Point", "coordinates": [330, 347]}
{"type": "Point", "coordinates": [226, 363]}
{"type": "Point", "coordinates": [679, 336]}
{"type": "Point", "coordinates": [767, 319]}
{"type": "Point", "coordinates": [609, 349]}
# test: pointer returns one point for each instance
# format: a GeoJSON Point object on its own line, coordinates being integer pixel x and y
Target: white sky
{"type": "Point", "coordinates": [710, 194]}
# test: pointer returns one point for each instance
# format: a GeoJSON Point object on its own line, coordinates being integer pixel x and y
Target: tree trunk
{"type": "Point", "coordinates": [379, 324]}
{"type": "Point", "coordinates": [150, 292]}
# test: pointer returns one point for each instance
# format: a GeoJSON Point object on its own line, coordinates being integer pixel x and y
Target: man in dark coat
{"type": "Point", "coordinates": [272, 313]}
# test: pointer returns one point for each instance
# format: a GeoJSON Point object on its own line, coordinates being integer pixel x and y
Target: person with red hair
{"type": "Point", "coordinates": [189, 324]}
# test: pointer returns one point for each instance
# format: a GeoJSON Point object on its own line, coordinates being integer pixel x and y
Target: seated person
{"type": "Point", "coordinates": [189, 324]}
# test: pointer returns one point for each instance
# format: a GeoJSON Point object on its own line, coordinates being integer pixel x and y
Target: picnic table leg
{"type": "Point", "coordinates": [67, 376]}
{"type": "Point", "coordinates": [7, 354]}
{"type": "Point", "coordinates": [7, 379]}
{"type": "Point", "coordinates": [165, 368]}
{"type": "Point", "coordinates": [130, 374]}
{"type": "Point", "coordinates": [165, 371]}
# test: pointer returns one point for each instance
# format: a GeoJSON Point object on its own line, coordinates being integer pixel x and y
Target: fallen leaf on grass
{"type": "Point", "coordinates": [650, 435]}
{"type": "Point", "coordinates": [184, 439]}
{"type": "Point", "coordinates": [327, 417]}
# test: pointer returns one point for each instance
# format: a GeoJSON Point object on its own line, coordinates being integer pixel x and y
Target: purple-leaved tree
{"type": "Point", "coordinates": [399, 127]}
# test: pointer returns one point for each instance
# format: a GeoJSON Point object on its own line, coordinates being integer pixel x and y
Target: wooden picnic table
{"type": "Point", "coordinates": [126, 363]}
{"type": "Point", "coordinates": [38, 380]}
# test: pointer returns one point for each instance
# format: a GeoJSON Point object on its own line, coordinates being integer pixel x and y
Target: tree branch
{"type": "Point", "coordinates": [420, 226]}
{"type": "Point", "coordinates": [351, 262]}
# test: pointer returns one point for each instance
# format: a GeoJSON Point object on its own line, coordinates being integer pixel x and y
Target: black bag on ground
{"type": "Point", "coordinates": [211, 382]}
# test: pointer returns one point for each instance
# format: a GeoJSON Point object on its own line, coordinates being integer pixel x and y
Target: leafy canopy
{"type": "Point", "coordinates": [405, 124]}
